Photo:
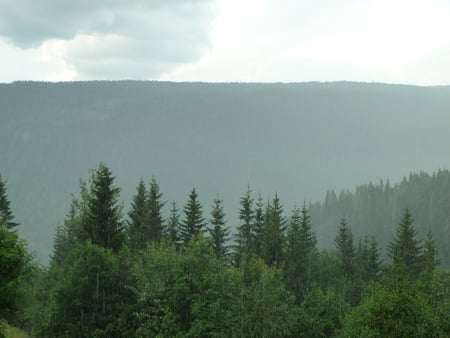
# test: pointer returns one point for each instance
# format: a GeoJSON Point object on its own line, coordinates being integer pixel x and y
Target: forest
{"type": "Point", "coordinates": [117, 272]}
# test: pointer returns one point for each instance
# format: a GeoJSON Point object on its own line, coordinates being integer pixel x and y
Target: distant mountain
{"type": "Point", "coordinates": [299, 140]}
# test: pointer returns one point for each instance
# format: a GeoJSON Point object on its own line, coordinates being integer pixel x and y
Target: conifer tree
{"type": "Point", "coordinates": [405, 249]}
{"type": "Point", "coordinates": [244, 236]}
{"type": "Point", "coordinates": [155, 221]}
{"type": "Point", "coordinates": [5, 209]}
{"type": "Point", "coordinates": [138, 228]}
{"type": "Point", "coordinates": [345, 249]}
{"type": "Point", "coordinates": [219, 233]}
{"type": "Point", "coordinates": [367, 260]}
{"type": "Point", "coordinates": [430, 258]}
{"type": "Point", "coordinates": [275, 228]}
{"type": "Point", "coordinates": [193, 222]}
{"type": "Point", "coordinates": [102, 222]}
{"type": "Point", "coordinates": [173, 224]}
{"type": "Point", "coordinates": [258, 228]}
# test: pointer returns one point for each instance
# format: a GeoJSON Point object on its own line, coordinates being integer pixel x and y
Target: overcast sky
{"type": "Point", "coordinates": [394, 41]}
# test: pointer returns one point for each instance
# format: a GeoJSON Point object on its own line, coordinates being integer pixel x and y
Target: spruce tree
{"type": "Point", "coordinates": [138, 228]}
{"type": "Point", "coordinates": [102, 223]}
{"type": "Point", "coordinates": [244, 236]}
{"type": "Point", "coordinates": [155, 219]}
{"type": "Point", "coordinates": [405, 249]}
{"type": "Point", "coordinates": [258, 228]}
{"type": "Point", "coordinates": [193, 222]}
{"type": "Point", "coordinates": [173, 225]}
{"type": "Point", "coordinates": [275, 228]}
{"type": "Point", "coordinates": [219, 233]}
{"type": "Point", "coordinates": [430, 258]}
{"type": "Point", "coordinates": [5, 209]}
{"type": "Point", "coordinates": [367, 260]}
{"type": "Point", "coordinates": [345, 249]}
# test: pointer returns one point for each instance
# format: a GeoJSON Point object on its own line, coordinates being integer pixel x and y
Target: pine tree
{"type": "Point", "coordinates": [301, 241]}
{"type": "Point", "coordinates": [138, 228]}
{"type": "Point", "coordinates": [429, 258]}
{"type": "Point", "coordinates": [102, 223]}
{"type": "Point", "coordinates": [275, 228]}
{"type": "Point", "coordinates": [405, 249]}
{"type": "Point", "coordinates": [5, 209]}
{"type": "Point", "coordinates": [156, 226]}
{"type": "Point", "coordinates": [367, 260]}
{"type": "Point", "coordinates": [244, 236]}
{"type": "Point", "coordinates": [258, 228]}
{"type": "Point", "coordinates": [173, 225]}
{"type": "Point", "coordinates": [218, 231]}
{"type": "Point", "coordinates": [67, 235]}
{"type": "Point", "coordinates": [345, 249]}
{"type": "Point", "coordinates": [193, 222]}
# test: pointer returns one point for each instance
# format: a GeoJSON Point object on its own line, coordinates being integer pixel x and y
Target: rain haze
{"type": "Point", "coordinates": [226, 40]}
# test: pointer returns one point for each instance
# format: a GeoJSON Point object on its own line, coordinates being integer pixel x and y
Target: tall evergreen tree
{"type": "Point", "coordinates": [218, 231]}
{"type": "Point", "coordinates": [5, 209]}
{"type": "Point", "coordinates": [345, 249]}
{"type": "Point", "coordinates": [367, 259]}
{"type": "Point", "coordinates": [275, 228]}
{"type": "Point", "coordinates": [173, 225]}
{"type": "Point", "coordinates": [138, 227]}
{"type": "Point", "coordinates": [301, 241]}
{"type": "Point", "coordinates": [102, 223]}
{"type": "Point", "coordinates": [155, 205]}
{"type": "Point", "coordinates": [258, 228]}
{"type": "Point", "coordinates": [244, 236]}
{"type": "Point", "coordinates": [193, 222]}
{"type": "Point", "coordinates": [405, 249]}
{"type": "Point", "coordinates": [430, 258]}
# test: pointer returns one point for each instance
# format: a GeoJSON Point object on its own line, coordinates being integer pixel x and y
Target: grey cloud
{"type": "Point", "coordinates": [136, 38]}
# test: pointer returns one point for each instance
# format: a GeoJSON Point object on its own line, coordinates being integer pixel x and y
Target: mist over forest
{"type": "Point", "coordinates": [299, 140]}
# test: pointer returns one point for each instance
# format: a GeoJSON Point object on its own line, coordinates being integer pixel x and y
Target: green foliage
{"type": "Point", "coordinates": [275, 228]}
{"type": "Point", "coordinates": [173, 224]}
{"type": "Point", "coordinates": [405, 249]}
{"type": "Point", "coordinates": [345, 249]}
{"type": "Point", "coordinates": [244, 235]}
{"type": "Point", "coordinates": [5, 210]}
{"type": "Point", "coordinates": [156, 223]}
{"type": "Point", "coordinates": [138, 231]}
{"type": "Point", "coordinates": [15, 263]}
{"type": "Point", "coordinates": [193, 222]}
{"type": "Point", "coordinates": [102, 219]}
{"type": "Point", "coordinates": [398, 310]}
{"type": "Point", "coordinates": [219, 233]}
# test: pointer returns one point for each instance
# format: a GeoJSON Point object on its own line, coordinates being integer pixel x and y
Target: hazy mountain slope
{"type": "Point", "coordinates": [297, 139]}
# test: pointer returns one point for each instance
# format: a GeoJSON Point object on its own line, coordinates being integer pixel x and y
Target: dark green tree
{"type": "Point", "coordinates": [193, 222]}
{"type": "Point", "coordinates": [15, 267]}
{"type": "Point", "coordinates": [367, 260]}
{"type": "Point", "coordinates": [5, 210]}
{"type": "Point", "coordinates": [138, 227]}
{"type": "Point", "coordinates": [405, 249]}
{"type": "Point", "coordinates": [102, 220]}
{"type": "Point", "coordinates": [218, 231]}
{"type": "Point", "coordinates": [244, 236]}
{"type": "Point", "coordinates": [345, 249]}
{"type": "Point", "coordinates": [67, 235]}
{"type": "Point", "coordinates": [430, 258]}
{"type": "Point", "coordinates": [275, 228]}
{"type": "Point", "coordinates": [155, 221]}
{"type": "Point", "coordinates": [173, 224]}
{"type": "Point", "coordinates": [258, 228]}
{"type": "Point", "coordinates": [301, 241]}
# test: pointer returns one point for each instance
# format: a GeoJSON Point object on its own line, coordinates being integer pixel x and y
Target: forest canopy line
{"type": "Point", "coordinates": [140, 275]}
{"type": "Point", "coordinates": [296, 139]}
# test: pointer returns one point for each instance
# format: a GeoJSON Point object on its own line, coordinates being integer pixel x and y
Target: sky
{"type": "Point", "coordinates": [391, 41]}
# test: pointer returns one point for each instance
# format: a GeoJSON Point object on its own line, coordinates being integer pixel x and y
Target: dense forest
{"type": "Point", "coordinates": [137, 273]}
{"type": "Point", "coordinates": [296, 139]}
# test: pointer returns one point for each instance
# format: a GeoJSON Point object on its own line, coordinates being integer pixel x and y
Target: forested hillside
{"type": "Point", "coordinates": [298, 140]}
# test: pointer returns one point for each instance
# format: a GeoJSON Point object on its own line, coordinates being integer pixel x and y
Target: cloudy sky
{"type": "Point", "coordinates": [394, 41]}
